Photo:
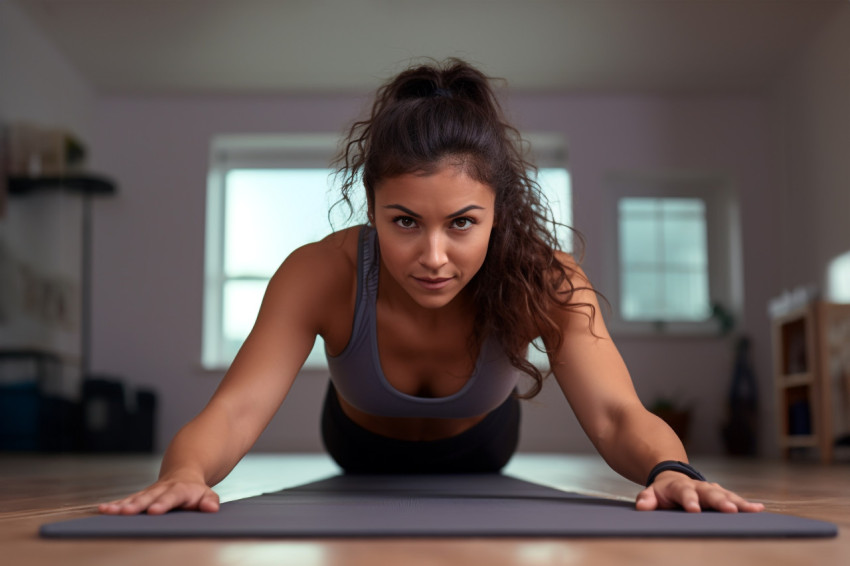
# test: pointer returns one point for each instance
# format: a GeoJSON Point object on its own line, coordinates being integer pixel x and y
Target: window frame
{"type": "Point", "coordinates": [235, 151]}
{"type": "Point", "coordinates": [723, 239]}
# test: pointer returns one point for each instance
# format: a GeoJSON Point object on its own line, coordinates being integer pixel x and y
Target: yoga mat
{"type": "Point", "coordinates": [486, 505]}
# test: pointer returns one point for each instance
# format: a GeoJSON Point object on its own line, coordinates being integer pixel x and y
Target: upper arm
{"type": "Point", "coordinates": [587, 365]}
{"type": "Point", "coordinates": [301, 296]}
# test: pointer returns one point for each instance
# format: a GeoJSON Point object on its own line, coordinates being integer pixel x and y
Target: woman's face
{"type": "Point", "coordinates": [433, 231]}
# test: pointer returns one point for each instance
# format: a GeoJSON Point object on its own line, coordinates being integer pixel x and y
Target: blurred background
{"type": "Point", "coordinates": [162, 158]}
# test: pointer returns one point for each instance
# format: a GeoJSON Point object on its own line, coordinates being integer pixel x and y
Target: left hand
{"type": "Point", "coordinates": [671, 490]}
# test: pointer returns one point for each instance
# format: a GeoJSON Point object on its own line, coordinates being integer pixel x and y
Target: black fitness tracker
{"type": "Point", "coordinates": [674, 466]}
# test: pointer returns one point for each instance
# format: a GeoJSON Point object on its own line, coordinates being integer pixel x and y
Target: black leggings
{"type": "Point", "coordinates": [484, 448]}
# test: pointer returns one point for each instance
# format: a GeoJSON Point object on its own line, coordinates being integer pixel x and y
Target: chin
{"type": "Point", "coordinates": [433, 301]}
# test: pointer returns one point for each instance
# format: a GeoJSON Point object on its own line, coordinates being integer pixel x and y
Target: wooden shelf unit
{"type": "Point", "coordinates": [811, 360]}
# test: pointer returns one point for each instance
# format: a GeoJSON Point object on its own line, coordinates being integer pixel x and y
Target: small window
{"type": "Point", "coordinates": [673, 257]}
{"type": "Point", "coordinates": [663, 259]}
{"type": "Point", "coordinates": [838, 279]}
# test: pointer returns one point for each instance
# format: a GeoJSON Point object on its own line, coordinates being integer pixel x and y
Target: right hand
{"type": "Point", "coordinates": [163, 496]}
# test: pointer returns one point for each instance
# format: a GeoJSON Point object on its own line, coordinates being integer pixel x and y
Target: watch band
{"type": "Point", "coordinates": [674, 466]}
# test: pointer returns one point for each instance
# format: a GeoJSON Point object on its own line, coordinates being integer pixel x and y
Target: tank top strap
{"type": "Point", "coordinates": [368, 264]}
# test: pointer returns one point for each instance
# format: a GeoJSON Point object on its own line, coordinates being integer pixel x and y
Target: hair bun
{"type": "Point", "coordinates": [417, 87]}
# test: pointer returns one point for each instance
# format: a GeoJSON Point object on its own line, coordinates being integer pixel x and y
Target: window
{"type": "Point", "coordinates": [673, 265]}
{"type": "Point", "coordinates": [267, 196]}
{"type": "Point", "coordinates": [663, 259]}
{"type": "Point", "coordinates": [838, 279]}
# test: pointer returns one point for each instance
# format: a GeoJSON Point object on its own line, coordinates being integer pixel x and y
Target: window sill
{"type": "Point", "coordinates": [220, 369]}
{"type": "Point", "coordinates": [666, 330]}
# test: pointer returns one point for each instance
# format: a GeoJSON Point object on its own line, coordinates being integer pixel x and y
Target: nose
{"type": "Point", "coordinates": [433, 254]}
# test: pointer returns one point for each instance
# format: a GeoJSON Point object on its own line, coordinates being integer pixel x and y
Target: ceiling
{"type": "Point", "coordinates": [324, 46]}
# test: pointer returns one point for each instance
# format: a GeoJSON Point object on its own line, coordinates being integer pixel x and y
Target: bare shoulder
{"type": "Point", "coordinates": [334, 252]}
{"type": "Point", "coordinates": [581, 312]}
{"type": "Point", "coordinates": [320, 277]}
{"type": "Point", "coordinates": [566, 259]}
{"type": "Point", "coordinates": [573, 270]}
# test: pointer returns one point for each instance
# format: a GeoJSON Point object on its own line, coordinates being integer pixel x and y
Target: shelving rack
{"type": "Point", "coordinates": [87, 185]}
{"type": "Point", "coordinates": [812, 375]}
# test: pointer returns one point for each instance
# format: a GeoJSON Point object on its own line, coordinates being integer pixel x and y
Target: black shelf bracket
{"type": "Point", "coordinates": [81, 183]}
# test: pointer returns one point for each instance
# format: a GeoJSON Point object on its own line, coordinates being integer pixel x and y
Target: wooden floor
{"type": "Point", "coordinates": [41, 489]}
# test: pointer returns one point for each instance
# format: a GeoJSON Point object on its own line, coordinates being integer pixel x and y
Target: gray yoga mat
{"type": "Point", "coordinates": [435, 506]}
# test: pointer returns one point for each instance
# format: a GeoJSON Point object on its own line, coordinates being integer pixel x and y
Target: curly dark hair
{"type": "Point", "coordinates": [436, 113]}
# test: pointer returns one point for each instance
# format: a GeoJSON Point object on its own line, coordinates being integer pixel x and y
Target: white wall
{"type": "Point", "coordinates": [812, 114]}
{"type": "Point", "coordinates": [40, 232]}
{"type": "Point", "coordinates": [149, 239]}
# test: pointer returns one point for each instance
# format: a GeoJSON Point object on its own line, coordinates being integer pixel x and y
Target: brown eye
{"type": "Point", "coordinates": [463, 223]}
{"type": "Point", "coordinates": [404, 221]}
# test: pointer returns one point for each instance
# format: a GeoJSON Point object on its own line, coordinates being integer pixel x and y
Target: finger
{"type": "Point", "coordinates": [716, 497]}
{"type": "Point", "coordinates": [689, 500]}
{"type": "Point", "coordinates": [185, 497]}
{"type": "Point", "coordinates": [113, 506]}
{"type": "Point", "coordinates": [141, 501]}
{"type": "Point", "coordinates": [719, 499]}
{"type": "Point", "coordinates": [160, 506]}
{"type": "Point", "coordinates": [209, 503]}
{"type": "Point", "coordinates": [751, 507]}
{"type": "Point", "coordinates": [120, 506]}
{"type": "Point", "coordinates": [646, 500]}
{"type": "Point", "coordinates": [138, 502]}
{"type": "Point", "coordinates": [740, 504]}
{"type": "Point", "coordinates": [681, 494]}
{"type": "Point", "coordinates": [177, 497]}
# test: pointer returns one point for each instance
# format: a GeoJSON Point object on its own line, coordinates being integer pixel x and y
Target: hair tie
{"type": "Point", "coordinates": [442, 92]}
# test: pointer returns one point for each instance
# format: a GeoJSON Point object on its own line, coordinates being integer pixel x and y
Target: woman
{"type": "Point", "coordinates": [427, 313]}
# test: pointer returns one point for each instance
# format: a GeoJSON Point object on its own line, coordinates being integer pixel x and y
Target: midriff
{"type": "Point", "coordinates": [413, 429]}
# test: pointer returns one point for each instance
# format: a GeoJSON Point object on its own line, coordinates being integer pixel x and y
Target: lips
{"type": "Point", "coordinates": [433, 283]}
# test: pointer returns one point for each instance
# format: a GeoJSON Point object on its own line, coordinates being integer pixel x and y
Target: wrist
{"type": "Point", "coordinates": [673, 466]}
{"type": "Point", "coordinates": [183, 475]}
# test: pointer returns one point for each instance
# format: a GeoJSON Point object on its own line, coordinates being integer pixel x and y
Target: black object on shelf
{"type": "Point", "coordinates": [109, 423]}
{"type": "Point", "coordinates": [88, 183]}
{"type": "Point", "coordinates": [799, 419]}
{"type": "Point", "coordinates": [31, 418]}
{"type": "Point", "coordinates": [35, 419]}
{"type": "Point", "coordinates": [104, 415]}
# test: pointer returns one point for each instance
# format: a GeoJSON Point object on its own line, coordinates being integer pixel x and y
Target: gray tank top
{"type": "Point", "coordinates": [357, 375]}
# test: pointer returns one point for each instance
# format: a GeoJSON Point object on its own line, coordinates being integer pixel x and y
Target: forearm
{"type": "Point", "coordinates": [205, 450]}
{"type": "Point", "coordinates": [635, 441]}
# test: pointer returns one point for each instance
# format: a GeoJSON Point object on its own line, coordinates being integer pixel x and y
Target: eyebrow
{"type": "Point", "coordinates": [452, 215]}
